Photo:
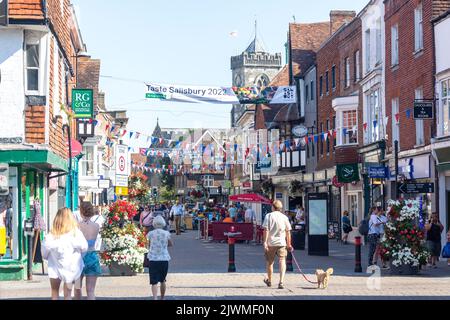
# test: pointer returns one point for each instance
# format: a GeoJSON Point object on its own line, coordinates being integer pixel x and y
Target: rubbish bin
{"type": "Point", "coordinates": [299, 237]}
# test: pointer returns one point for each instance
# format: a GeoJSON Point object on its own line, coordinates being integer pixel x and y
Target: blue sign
{"type": "Point", "coordinates": [279, 196]}
{"type": "Point", "coordinates": [378, 172]}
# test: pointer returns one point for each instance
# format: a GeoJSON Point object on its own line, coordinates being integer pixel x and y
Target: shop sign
{"type": "Point", "coordinates": [424, 110]}
{"type": "Point", "coordinates": [111, 194]}
{"type": "Point", "coordinates": [4, 179]}
{"type": "Point", "coordinates": [300, 131]}
{"type": "Point", "coordinates": [3, 12]}
{"type": "Point", "coordinates": [247, 185]}
{"type": "Point", "coordinates": [348, 173]}
{"type": "Point", "coordinates": [17, 140]}
{"type": "Point", "coordinates": [104, 184]}
{"type": "Point", "coordinates": [415, 168]}
{"type": "Point", "coordinates": [83, 103]}
{"type": "Point", "coordinates": [279, 195]}
{"type": "Point", "coordinates": [180, 192]}
{"type": "Point", "coordinates": [380, 172]}
{"type": "Point", "coordinates": [121, 181]}
{"type": "Point", "coordinates": [121, 191]}
{"type": "Point", "coordinates": [413, 188]}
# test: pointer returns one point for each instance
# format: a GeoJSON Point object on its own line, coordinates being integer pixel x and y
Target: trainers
{"type": "Point", "coordinates": [281, 286]}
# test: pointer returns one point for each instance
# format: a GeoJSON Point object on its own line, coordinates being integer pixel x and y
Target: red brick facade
{"type": "Point", "coordinates": [345, 43]}
{"type": "Point", "coordinates": [25, 9]}
{"type": "Point", "coordinates": [414, 70]}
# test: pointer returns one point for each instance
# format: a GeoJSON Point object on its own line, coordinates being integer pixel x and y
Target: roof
{"type": "Point", "coordinates": [89, 75]}
{"type": "Point", "coordinates": [441, 17]}
{"type": "Point", "coordinates": [255, 46]}
{"type": "Point", "coordinates": [305, 41]}
{"type": "Point", "coordinates": [287, 113]}
{"type": "Point", "coordinates": [281, 79]}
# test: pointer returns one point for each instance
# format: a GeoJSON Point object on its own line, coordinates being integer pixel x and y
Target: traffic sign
{"type": "Point", "coordinates": [423, 110]}
{"type": "Point", "coordinates": [412, 188]}
{"type": "Point", "coordinates": [121, 191]}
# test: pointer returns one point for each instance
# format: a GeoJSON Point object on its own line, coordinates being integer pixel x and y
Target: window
{"type": "Point", "coordinates": [445, 94]}
{"type": "Point", "coordinates": [394, 45]}
{"type": "Point", "coordinates": [418, 28]}
{"type": "Point", "coordinates": [334, 128]}
{"type": "Point", "coordinates": [395, 123]}
{"type": "Point", "coordinates": [307, 93]}
{"type": "Point", "coordinates": [333, 77]}
{"type": "Point", "coordinates": [327, 85]}
{"type": "Point", "coordinates": [374, 115]}
{"type": "Point", "coordinates": [357, 67]}
{"type": "Point", "coordinates": [379, 43]}
{"type": "Point", "coordinates": [420, 139]}
{"type": "Point", "coordinates": [347, 72]}
{"type": "Point", "coordinates": [313, 92]}
{"type": "Point", "coordinates": [368, 66]}
{"type": "Point", "coordinates": [349, 132]}
{"type": "Point", "coordinates": [321, 86]}
{"type": "Point", "coordinates": [208, 181]}
{"type": "Point", "coordinates": [32, 67]}
{"type": "Point", "coordinates": [87, 162]}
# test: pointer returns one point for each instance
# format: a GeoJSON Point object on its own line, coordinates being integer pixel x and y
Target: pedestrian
{"type": "Point", "coordinates": [232, 211]}
{"type": "Point", "coordinates": [374, 234]}
{"type": "Point", "coordinates": [434, 230]}
{"type": "Point", "coordinates": [382, 217]}
{"type": "Point", "coordinates": [146, 219]}
{"type": "Point", "coordinates": [177, 212]}
{"type": "Point", "coordinates": [92, 269]}
{"type": "Point", "coordinates": [158, 256]}
{"type": "Point", "coordinates": [250, 216]}
{"type": "Point", "coordinates": [448, 241]}
{"type": "Point", "coordinates": [277, 242]}
{"type": "Point", "coordinates": [63, 248]}
{"type": "Point", "coordinates": [300, 215]}
{"type": "Point", "coordinates": [346, 226]}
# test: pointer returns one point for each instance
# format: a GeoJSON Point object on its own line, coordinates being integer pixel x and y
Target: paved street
{"type": "Point", "coordinates": [198, 271]}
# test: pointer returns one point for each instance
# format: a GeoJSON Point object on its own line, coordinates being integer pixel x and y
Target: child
{"type": "Point", "coordinates": [63, 248]}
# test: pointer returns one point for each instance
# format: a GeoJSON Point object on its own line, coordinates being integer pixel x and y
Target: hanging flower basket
{"type": "Point", "coordinates": [295, 187]}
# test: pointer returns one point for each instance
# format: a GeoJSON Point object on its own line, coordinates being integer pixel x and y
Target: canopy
{"type": "Point", "coordinates": [250, 198]}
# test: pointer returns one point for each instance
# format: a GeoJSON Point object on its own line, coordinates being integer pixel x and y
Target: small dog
{"type": "Point", "coordinates": [324, 277]}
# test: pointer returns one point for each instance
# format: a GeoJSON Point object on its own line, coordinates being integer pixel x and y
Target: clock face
{"type": "Point", "coordinates": [300, 131]}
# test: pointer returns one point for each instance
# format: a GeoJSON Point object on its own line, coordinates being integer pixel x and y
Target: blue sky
{"type": "Point", "coordinates": [183, 42]}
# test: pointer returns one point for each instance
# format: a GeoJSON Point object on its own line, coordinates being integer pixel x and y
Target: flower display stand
{"type": "Point", "coordinates": [404, 270]}
{"type": "Point", "coordinates": [117, 270]}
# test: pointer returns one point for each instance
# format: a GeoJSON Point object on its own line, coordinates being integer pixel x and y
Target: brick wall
{"type": "Point", "coordinates": [413, 70]}
{"type": "Point", "coordinates": [35, 124]}
{"type": "Point", "coordinates": [341, 45]}
{"type": "Point", "coordinates": [25, 9]}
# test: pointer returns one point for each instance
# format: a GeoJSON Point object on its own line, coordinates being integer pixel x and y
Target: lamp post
{"type": "Point", "coordinates": [70, 188]}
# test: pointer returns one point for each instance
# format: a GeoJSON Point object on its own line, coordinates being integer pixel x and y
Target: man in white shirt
{"type": "Point", "coordinates": [300, 215]}
{"type": "Point", "coordinates": [250, 216]}
{"type": "Point", "coordinates": [277, 242]}
{"type": "Point", "coordinates": [177, 212]}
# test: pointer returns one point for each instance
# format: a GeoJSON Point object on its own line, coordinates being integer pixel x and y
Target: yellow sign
{"type": "Point", "coordinates": [121, 191]}
{"type": "Point", "coordinates": [2, 241]}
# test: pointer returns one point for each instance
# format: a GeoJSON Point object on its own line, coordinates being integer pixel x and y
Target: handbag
{"type": "Point", "coordinates": [446, 251]}
{"type": "Point", "coordinates": [347, 228]}
{"type": "Point", "coordinates": [146, 261]}
{"type": "Point", "coordinates": [148, 220]}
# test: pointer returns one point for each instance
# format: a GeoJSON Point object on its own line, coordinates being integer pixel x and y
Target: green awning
{"type": "Point", "coordinates": [443, 167]}
{"type": "Point", "coordinates": [39, 159]}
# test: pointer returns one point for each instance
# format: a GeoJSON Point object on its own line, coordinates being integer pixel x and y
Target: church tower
{"type": "Point", "coordinates": [253, 67]}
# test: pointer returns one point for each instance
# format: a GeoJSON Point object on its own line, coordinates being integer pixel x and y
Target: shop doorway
{"type": "Point", "coordinates": [294, 202]}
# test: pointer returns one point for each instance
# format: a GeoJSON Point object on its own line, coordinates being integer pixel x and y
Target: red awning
{"type": "Point", "coordinates": [250, 198]}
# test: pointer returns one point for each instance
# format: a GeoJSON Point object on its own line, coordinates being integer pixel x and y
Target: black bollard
{"type": "Point", "coordinates": [289, 266]}
{"type": "Point", "coordinates": [231, 264]}
{"type": "Point", "coordinates": [358, 244]}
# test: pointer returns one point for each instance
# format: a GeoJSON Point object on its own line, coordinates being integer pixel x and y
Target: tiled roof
{"type": "Point", "coordinates": [287, 113]}
{"type": "Point", "coordinates": [282, 78]}
{"type": "Point", "coordinates": [305, 41]}
{"type": "Point", "coordinates": [89, 75]}
{"type": "Point", "coordinates": [25, 9]}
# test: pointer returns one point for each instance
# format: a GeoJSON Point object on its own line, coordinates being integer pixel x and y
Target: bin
{"type": "Point", "coordinates": [188, 222]}
{"type": "Point", "coordinates": [299, 237]}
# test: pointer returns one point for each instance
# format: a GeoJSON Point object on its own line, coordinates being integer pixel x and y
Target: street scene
{"type": "Point", "coordinates": [188, 151]}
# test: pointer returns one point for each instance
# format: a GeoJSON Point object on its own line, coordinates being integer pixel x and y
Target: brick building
{"type": "Point", "coordinates": [38, 69]}
{"type": "Point", "coordinates": [410, 72]}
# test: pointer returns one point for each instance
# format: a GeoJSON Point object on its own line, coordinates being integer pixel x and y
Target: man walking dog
{"type": "Point", "coordinates": [277, 242]}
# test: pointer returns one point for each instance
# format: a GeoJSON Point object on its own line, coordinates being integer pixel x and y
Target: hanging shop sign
{"type": "Point", "coordinates": [414, 188]}
{"type": "Point", "coordinates": [83, 103]}
{"type": "Point", "coordinates": [423, 110]}
{"type": "Point", "coordinates": [3, 12]}
{"type": "Point", "coordinates": [222, 95]}
{"type": "Point", "coordinates": [300, 131]}
{"type": "Point", "coordinates": [348, 173]}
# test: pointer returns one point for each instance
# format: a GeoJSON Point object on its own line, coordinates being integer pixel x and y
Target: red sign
{"type": "Point", "coordinates": [336, 182]}
{"type": "Point", "coordinates": [122, 163]}
{"type": "Point", "coordinates": [247, 185]}
{"type": "Point", "coordinates": [77, 148]}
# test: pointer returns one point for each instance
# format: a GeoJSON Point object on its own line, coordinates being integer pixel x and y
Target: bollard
{"type": "Point", "coordinates": [358, 244]}
{"type": "Point", "coordinates": [231, 254]}
{"type": "Point", "coordinates": [289, 266]}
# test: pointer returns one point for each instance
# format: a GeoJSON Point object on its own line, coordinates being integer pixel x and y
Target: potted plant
{"type": "Point", "coordinates": [268, 188]}
{"type": "Point", "coordinates": [124, 243]}
{"type": "Point", "coordinates": [295, 187]}
{"type": "Point", "coordinates": [403, 242]}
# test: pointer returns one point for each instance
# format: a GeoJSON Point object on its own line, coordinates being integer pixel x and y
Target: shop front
{"type": "Point", "coordinates": [441, 153]}
{"type": "Point", "coordinates": [30, 173]}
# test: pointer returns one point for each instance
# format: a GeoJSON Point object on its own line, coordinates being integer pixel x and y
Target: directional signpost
{"type": "Point", "coordinates": [413, 188]}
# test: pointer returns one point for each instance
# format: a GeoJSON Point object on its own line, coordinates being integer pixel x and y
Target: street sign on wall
{"type": "Point", "coordinates": [424, 110]}
{"type": "Point", "coordinates": [83, 103]}
{"type": "Point", "coordinates": [3, 12]}
{"type": "Point", "coordinates": [413, 188]}
{"type": "Point", "coordinates": [4, 179]}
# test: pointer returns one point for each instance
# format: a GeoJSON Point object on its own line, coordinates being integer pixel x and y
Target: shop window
{"type": "Point", "coordinates": [445, 101]}
{"type": "Point", "coordinates": [349, 132]}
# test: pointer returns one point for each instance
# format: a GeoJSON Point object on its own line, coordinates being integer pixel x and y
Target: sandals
{"type": "Point", "coordinates": [268, 283]}
{"type": "Point", "coordinates": [281, 286]}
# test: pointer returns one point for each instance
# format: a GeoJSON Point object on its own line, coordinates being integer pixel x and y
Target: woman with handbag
{"type": "Point", "coordinates": [146, 219]}
{"type": "Point", "coordinates": [158, 256]}
{"type": "Point", "coordinates": [346, 227]}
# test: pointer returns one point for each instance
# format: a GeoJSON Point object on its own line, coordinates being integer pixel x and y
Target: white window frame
{"type": "Point", "coordinates": [379, 46]}
{"type": "Point", "coordinates": [394, 45]}
{"type": "Point", "coordinates": [445, 106]}
{"type": "Point", "coordinates": [418, 28]}
{"type": "Point", "coordinates": [420, 130]}
{"type": "Point", "coordinates": [368, 52]}
{"type": "Point", "coordinates": [33, 39]}
{"type": "Point", "coordinates": [357, 67]}
{"type": "Point", "coordinates": [373, 135]}
{"type": "Point", "coordinates": [395, 124]}
{"type": "Point", "coordinates": [208, 181]}
{"type": "Point", "coordinates": [347, 72]}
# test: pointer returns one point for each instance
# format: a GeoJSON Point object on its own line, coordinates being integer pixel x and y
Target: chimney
{"type": "Point", "coordinates": [340, 17]}
{"type": "Point", "coordinates": [101, 100]}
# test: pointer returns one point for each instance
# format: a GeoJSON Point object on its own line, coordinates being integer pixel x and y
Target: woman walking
{"type": "Point", "coordinates": [346, 227]}
{"type": "Point", "coordinates": [434, 230]}
{"type": "Point", "coordinates": [158, 256]}
{"type": "Point", "coordinates": [92, 269]}
{"type": "Point", "coordinates": [63, 248]}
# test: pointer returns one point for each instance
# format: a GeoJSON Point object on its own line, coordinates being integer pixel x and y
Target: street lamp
{"type": "Point", "coordinates": [70, 191]}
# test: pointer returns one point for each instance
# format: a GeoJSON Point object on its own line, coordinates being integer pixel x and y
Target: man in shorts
{"type": "Point", "coordinates": [276, 241]}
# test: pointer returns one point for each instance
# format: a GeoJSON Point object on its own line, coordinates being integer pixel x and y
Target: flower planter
{"type": "Point", "coordinates": [404, 270]}
{"type": "Point", "coordinates": [117, 270]}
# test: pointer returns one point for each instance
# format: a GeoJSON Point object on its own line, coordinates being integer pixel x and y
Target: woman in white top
{"type": "Point", "coordinates": [63, 248]}
{"type": "Point", "coordinates": [158, 256]}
